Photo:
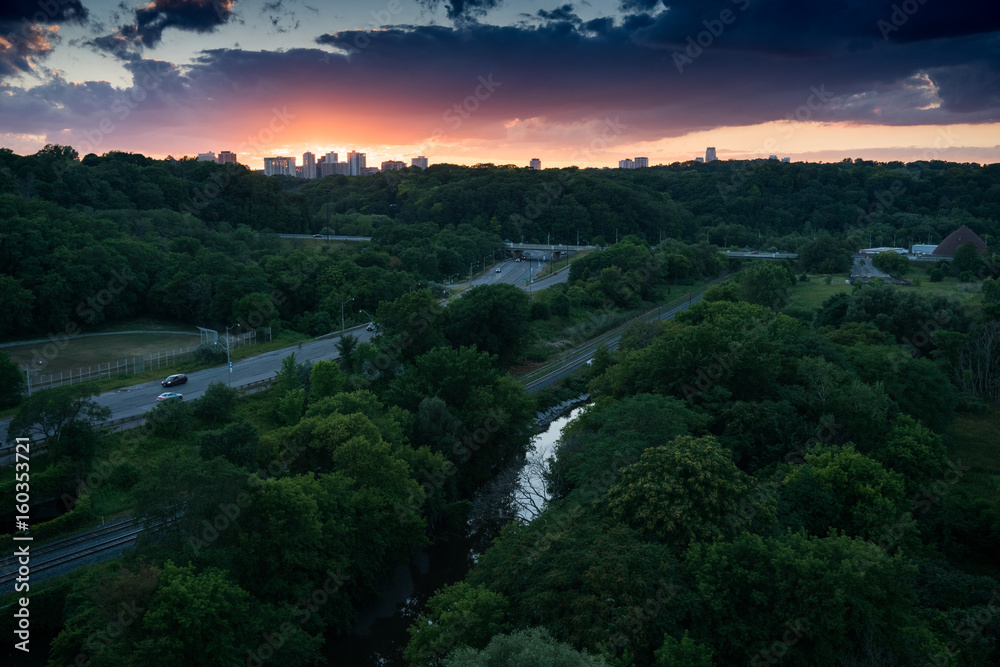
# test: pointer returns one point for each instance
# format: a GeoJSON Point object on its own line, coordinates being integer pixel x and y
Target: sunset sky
{"type": "Point", "coordinates": [503, 81]}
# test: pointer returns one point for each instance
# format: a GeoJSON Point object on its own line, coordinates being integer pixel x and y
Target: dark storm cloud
{"type": "Point", "coordinates": [24, 34]}
{"type": "Point", "coordinates": [152, 19]}
{"type": "Point", "coordinates": [767, 60]}
{"type": "Point", "coordinates": [459, 10]}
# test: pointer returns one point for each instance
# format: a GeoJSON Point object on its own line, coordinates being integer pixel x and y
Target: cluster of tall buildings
{"type": "Point", "coordinates": [224, 157]}
{"type": "Point", "coordinates": [637, 163]}
{"type": "Point", "coordinates": [329, 165]}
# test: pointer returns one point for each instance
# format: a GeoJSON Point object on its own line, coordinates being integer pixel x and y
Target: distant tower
{"type": "Point", "coordinates": [279, 166]}
{"type": "Point", "coordinates": [226, 157]}
{"type": "Point", "coordinates": [308, 165]}
{"type": "Point", "coordinates": [710, 154]}
{"type": "Point", "coordinates": [535, 163]}
{"type": "Point", "coordinates": [356, 163]}
{"type": "Point", "coordinates": [641, 162]}
{"type": "Point", "coordinates": [206, 157]}
{"type": "Point", "coordinates": [627, 163]}
{"type": "Point", "coordinates": [420, 161]}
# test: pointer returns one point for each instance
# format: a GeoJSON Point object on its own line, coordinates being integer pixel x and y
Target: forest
{"type": "Point", "coordinates": [754, 481]}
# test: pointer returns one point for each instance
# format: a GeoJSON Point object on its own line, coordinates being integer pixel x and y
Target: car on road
{"type": "Point", "coordinates": [174, 380]}
{"type": "Point", "coordinates": [370, 327]}
{"type": "Point", "coordinates": [317, 236]}
{"type": "Point", "coordinates": [168, 396]}
{"type": "Point", "coordinates": [498, 270]}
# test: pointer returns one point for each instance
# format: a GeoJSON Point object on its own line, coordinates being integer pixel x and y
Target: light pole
{"type": "Point", "coordinates": [342, 303]}
{"type": "Point", "coordinates": [414, 285]}
{"type": "Point", "coordinates": [470, 271]}
{"type": "Point", "coordinates": [370, 318]}
{"type": "Point", "coordinates": [228, 360]}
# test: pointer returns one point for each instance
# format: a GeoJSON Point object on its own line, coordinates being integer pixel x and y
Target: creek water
{"type": "Point", "coordinates": [379, 637]}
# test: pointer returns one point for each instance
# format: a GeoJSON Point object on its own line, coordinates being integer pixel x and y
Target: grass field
{"type": "Point", "coordinates": [815, 291]}
{"type": "Point", "coordinates": [83, 351]}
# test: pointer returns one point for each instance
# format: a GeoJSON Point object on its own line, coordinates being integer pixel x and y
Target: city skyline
{"type": "Point", "coordinates": [504, 81]}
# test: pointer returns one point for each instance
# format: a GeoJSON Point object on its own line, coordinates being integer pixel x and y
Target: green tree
{"type": "Point", "coordinates": [196, 618]}
{"type": "Point", "coordinates": [48, 413]}
{"type": "Point", "coordinates": [841, 489]}
{"type": "Point", "coordinates": [493, 318]}
{"type": "Point", "coordinates": [491, 414]}
{"type": "Point", "coordinates": [414, 323]}
{"type": "Point", "coordinates": [325, 379]}
{"type": "Point", "coordinates": [589, 579]}
{"type": "Point", "coordinates": [806, 601]}
{"type": "Point", "coordinates": [892, 263]}
{"type": "Point", "coordinates": [727, 291]}
{"type": "Point", "coordinates": [170, 418]}
{"type": "Point", "coordinates": [346, 346]}
{"type": "Point", "coordinates": [217, 405]}
{"type": "Point", "coordinates": [684, 652]}
{"type": "Point", "coordinates": [765, 284]}
{"type": "Point", "coordinates": [688, 490]}
{"type": "Point", "coordinates": [526, 648]}
{"type": "Point", "coordinates": [455, 616]}
{"type": "Point", "coordinates": [966, 258]}
{"type": "Point", "coordinates": [237, 443]}
{"type": "Point", "coordinates": [12, 382]}
{"type": "Point", "coordinates": [17, 303]}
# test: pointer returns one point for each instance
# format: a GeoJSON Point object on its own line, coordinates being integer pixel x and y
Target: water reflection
{"type": "Point", "coordinates": [379, 637]}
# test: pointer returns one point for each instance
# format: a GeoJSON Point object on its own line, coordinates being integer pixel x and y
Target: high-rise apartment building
{"type": "Point", "coordinates": [356, 163]}
{"type": "Point", "coordinates": [206, 157]}
{"type": "Point", "coordinates": [279, 166]}
{"type": "Point", "coordinates": [226, 157]}
{"type": "Point", "coordinates": [329, 157]}
{"type": "Point", "coordinates": [786, 159]}
{"type": "Point", "coordinates": [710, 154]}
{"type": "Point", "coordinates": [420, 161]}
{"type": "Point", "coordinates": [535, 163]}
{"type": "Point", "coordinates": [627, 163]}
{"type": "Point", "coordinates": [308, 165]}
{"type": "Point", "coordinates": [699, 159]}
{"type": "Point", "coordinates": [392, 165]}
{"type": "Point", "coordinates": [641, 162]}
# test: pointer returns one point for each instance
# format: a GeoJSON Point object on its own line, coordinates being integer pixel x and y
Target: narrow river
{"type": "Point", "coordinates": [380, 636]}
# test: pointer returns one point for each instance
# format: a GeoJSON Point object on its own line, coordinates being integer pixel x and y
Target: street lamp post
{"type": "Point", "coordinates": [370, 318]}
{"type": "Point", "coordinates": [470, 271]}
{"type": "Point", "coordinates": [228, 359]}
{"type": "Point", "coordinates": [342, 303]}
{"type": "Point", "coordinates": [414, 285]}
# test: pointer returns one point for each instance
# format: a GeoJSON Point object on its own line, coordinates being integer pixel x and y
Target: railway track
{"type": "Point", "coordinates": [47, 559]}
{"type": "Point", "coordinates": [579, 356]}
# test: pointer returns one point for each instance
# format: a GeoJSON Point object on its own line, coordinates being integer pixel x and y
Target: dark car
{"type": "Point", "coordinates": [317, 236]}
{"type": "Point", "coordinates": [175, 380]}
{"type": "Point", "coordinates": [371, 327]}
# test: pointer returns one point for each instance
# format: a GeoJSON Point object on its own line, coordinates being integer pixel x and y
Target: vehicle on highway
{"type": "Point", "coordinates": [498, 270]}
{"type": "Point", "coordinates": [169, 395]}
{"type": "Point", "coordinates": [317, 236]}
{"type": "Point", "coordinates": [173, 380]}
{"type": "Point", "coordinates": [370, 327]}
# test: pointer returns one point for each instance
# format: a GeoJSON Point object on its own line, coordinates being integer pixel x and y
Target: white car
{"type": "Point", "coordinates": [168, 395]}
{"type": "Point", "coordinates": [498, 270]}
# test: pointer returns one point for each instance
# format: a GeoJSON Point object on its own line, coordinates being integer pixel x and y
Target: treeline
{"type": "Point", "coordinates": [753, 488]}
{"type": "Point", "coordinates": [110, 237]}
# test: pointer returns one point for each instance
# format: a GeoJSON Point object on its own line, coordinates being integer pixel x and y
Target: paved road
{"type": "Point", "coordinates": [140, 398]}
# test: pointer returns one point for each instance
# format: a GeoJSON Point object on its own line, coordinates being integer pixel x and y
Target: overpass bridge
{"type": "Point", "coordinates": [554, 250]}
